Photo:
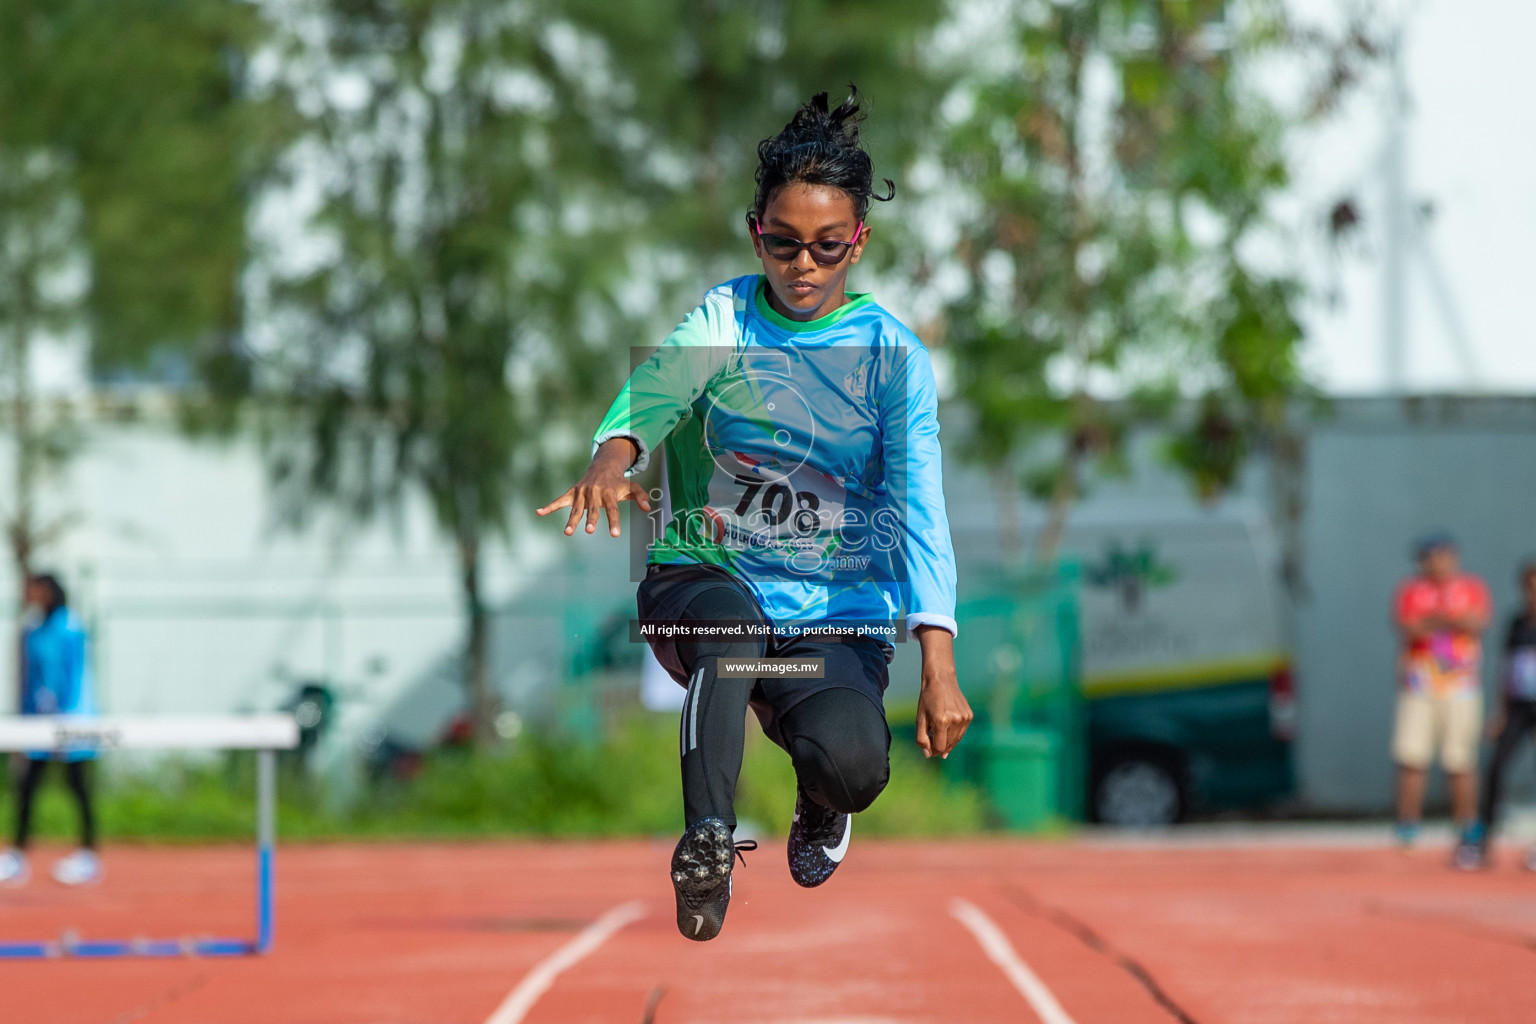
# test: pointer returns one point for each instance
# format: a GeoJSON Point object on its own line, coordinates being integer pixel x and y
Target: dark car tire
{"type": "Point", "coordinates": [1139, 790]}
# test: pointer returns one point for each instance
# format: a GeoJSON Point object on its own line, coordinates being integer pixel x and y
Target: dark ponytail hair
{"type": "Point", "coordinates": [820, 147]}
{"type": "Point", "coordinates": [57, 596]}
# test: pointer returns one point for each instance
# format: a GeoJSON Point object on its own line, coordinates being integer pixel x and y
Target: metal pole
{"type": "Point", "coordinates": [1394, 256]}
{"type": "Point", "coordinates": [266, 829]}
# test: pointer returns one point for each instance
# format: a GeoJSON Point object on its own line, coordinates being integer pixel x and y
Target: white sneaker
{"type": "Point", "coordinates": [79, 868]}
{"type": "Point", "coordinates": [13, 868]}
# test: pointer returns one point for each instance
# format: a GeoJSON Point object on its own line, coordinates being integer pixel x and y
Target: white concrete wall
{"type": "Point", "coordinates": [197, 603]}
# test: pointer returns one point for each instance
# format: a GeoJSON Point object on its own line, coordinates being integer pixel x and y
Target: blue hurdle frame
{"type": "Point", "coordinates": [266, 835]}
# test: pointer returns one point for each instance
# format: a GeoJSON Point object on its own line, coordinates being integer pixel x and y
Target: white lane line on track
{"type": "Point", "coordinates": [537, 981]}
{"type": "Point", "coordinates": [1001, 952]}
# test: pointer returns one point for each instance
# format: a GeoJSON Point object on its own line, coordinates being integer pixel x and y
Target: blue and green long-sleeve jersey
{"type": "Point", "coordinates": [802, 457]}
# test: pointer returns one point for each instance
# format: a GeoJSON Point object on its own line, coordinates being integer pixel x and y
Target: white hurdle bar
{"type": "Point", "coordinates": [66, 734]}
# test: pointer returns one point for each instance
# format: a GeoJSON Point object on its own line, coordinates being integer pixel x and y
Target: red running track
{"type": "Point", "coordinates": [444, 934]}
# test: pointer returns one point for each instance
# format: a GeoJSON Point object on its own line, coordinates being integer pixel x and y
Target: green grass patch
{"type": "Point", "coordinates": [625, 785]}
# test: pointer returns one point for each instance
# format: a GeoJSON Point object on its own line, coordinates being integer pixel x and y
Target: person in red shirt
{"type": "Point", "coordinates": [1441, 613]}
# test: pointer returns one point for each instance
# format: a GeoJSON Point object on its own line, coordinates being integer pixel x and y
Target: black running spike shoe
{"type": "Point", "coordinates": [818, 839]}
{"type": "Point", "coordinates": [701, 876]}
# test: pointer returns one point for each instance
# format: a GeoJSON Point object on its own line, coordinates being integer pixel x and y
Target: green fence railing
{"type": "Point", "coordinates": [1017, 658]}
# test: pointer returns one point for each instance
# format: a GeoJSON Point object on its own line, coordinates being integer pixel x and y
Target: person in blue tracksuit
{"type": "Point", "coordinates": [55, 680]}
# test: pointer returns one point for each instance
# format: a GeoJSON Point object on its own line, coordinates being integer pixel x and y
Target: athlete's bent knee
{"type": "Point", "coordinates": [848, 782]}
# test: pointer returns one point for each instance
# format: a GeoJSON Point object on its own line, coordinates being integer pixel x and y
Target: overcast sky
{"type": "Point", "coordinates": [1471, 71]}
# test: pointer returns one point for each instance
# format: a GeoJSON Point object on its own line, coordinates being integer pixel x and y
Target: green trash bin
{"type": "Point", "coordinates": [1019, 773]}
{"type": "Point", "coordinates": [1017, 656]}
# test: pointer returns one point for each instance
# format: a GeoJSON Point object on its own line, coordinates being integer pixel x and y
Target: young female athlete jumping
{"type": "Point", "coordinates": [803, 513]}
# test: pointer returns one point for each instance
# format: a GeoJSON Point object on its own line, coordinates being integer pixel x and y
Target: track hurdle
{"type": "Point", "coordinates": [265, 734]}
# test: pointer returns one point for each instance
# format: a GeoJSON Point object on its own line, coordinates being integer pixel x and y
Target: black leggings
{"type": "Point", "coordinates": [77, 774]}
{"type": "Point", "coordinates": [835, 732]}
{"type": "Point", "coordinates": [1519, 722]}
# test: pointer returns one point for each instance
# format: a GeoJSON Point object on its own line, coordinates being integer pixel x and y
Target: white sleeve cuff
{"type": "Point", "coordinates": [641, 461]}
{"type": "Point", "coordinates": [944, 622]}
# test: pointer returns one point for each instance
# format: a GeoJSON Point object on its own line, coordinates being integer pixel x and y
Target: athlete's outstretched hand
{"type": "Point", "coordinates": [943, 713]}
{"type": "Point", "coordinates": [603, 486]}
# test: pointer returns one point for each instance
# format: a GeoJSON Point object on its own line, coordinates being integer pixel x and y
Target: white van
{"type": "Point", "coordinates": [1188, 686]}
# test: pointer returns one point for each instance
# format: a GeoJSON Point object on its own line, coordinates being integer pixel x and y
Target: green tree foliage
{"type": "Point", "coordinates": [625, 783]}
{"type": "Point", "coordinates": [697, 84]}
{"type": "Point", "coordinates": [491, 173]}
{"type": "Point", "coordinates": [1125, 164]}
{"type": "Point", "coordinates": [459, 309]}
{"type": "Point", "coordinates": [127, 153]}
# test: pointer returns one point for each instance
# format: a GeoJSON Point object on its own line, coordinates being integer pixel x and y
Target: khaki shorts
{"type": "Point", "coordinates": [1453, 725]}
